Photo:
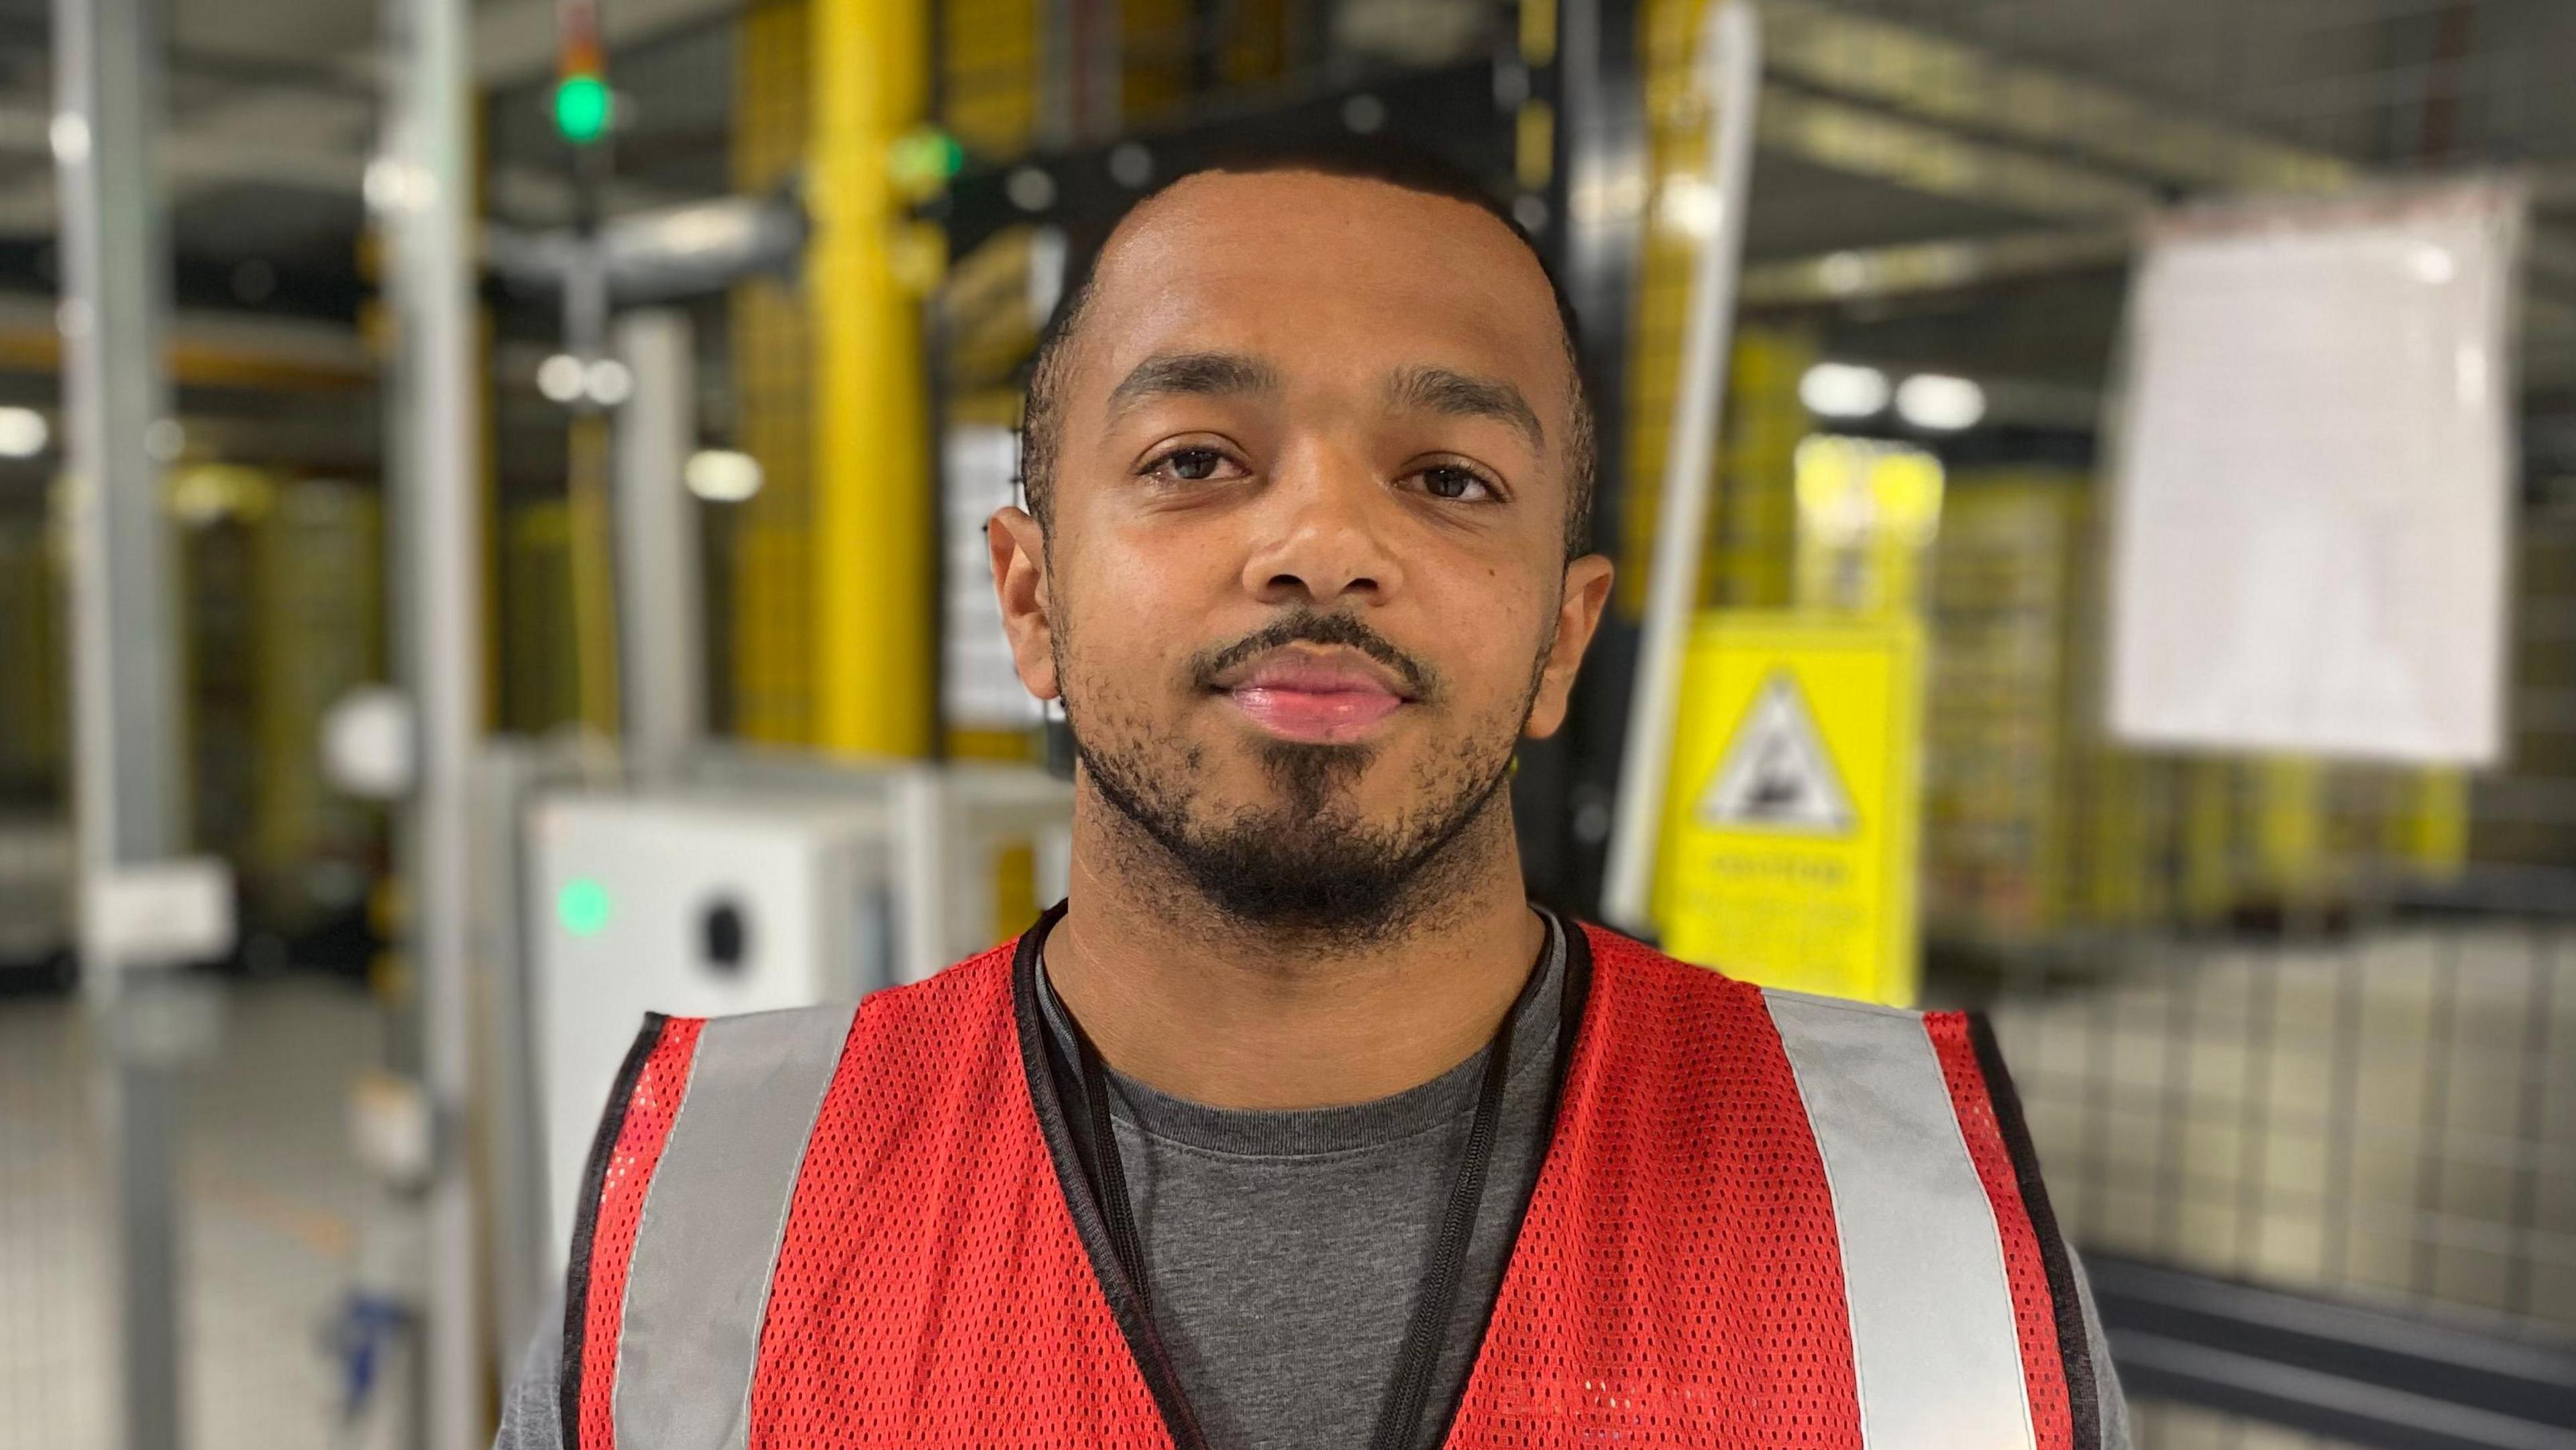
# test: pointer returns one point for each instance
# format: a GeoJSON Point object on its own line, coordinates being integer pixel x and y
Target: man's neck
{"type": "Point", "coordinates": [1207, 1011]}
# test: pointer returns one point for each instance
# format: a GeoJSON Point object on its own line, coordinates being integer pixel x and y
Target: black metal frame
{"type": "Point", "coordinates": [1436, 110]}
{"type": "Point", "coordinates": [2357, 1374]}
{"type": "Point", "coordinates": [1563, 793]}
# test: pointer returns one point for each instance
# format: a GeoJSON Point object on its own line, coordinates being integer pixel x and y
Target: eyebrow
{"type": "Point", "coordinates": [1192, 374]}
{"type": "Point", "coordinates": [1462, 395]}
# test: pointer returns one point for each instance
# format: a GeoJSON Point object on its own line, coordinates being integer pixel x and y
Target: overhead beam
{"type": "Point", "coordinates": [318, 140]}
{"type": "Point", "coordinates": [209, 350]}
{"type": "Point", "coordinates": [290, 157]}
{"type": "Point", "coordinates": [1960, 85]}
{"type": "Point", "coordinates": [1947, 118]}
{"type": "Point", "coordinates": [1915, 268]}
{"type": "Point", "coordinates": [1861, 141]}
{"type": "Point", "coordinates": [516, 41]}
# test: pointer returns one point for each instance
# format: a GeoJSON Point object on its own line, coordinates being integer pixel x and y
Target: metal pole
{"type": "Point", "coordinates": [598, 648]}
{"type": "Point", "coordinates": [663, 666]}
{"type": "Point", "coordinates": [425, 192]}
{"type": "Point", "coordinates": [1059, 61]}
{"type": "Point", "coordinates": [1731, 71]}
{"type": "Point", "coordinates": [520, 1269]}
{"type": "Point", "coordinates": [124, 652]}
{"type": "Point", "coordinates": [1561, 799]}
{"type": "Point", "coordinates": [126, 659]}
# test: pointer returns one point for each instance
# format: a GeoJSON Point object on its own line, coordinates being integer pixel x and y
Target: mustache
{"type": "Point", "coordinates": [1307, 626]}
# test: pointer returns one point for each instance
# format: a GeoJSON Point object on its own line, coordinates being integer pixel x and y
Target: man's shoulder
{"type": "Point", "coordinates": [984, 973]}
{"type": "Point", "coordinates": [972, 993]}
{"type": "Point", "coordinates": [948, 1005]}
{"type": "Point", "coordinates": [1628, 961]}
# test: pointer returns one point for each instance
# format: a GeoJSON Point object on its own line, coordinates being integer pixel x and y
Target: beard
{"type": "Point", "coordinates": [1310, 862]}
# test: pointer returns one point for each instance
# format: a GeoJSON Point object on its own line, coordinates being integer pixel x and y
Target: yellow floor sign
{"type": "Point", "coordinates": [1793, 812]}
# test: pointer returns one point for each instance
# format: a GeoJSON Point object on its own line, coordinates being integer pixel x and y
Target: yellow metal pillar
{"type": "Point", "coordinates": [873, 516]}
{"type": "Point", "coordinates": [2289, 826]}
{"type": "Point", "coordinates": [773, 380]}
{"type": "Point", "coordinates": [2210, 875]}
{"type": "Point", "coordinates": [594, 582]}
{"type": "Point", "coordinates": [2431, 828]}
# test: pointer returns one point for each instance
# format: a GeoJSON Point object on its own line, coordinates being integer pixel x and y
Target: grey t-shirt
{"type": "Point", "coordinates": [1285, 1250]}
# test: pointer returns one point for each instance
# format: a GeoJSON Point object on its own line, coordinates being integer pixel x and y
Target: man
{"type": "Point", "coordinates": [1297, 1125]}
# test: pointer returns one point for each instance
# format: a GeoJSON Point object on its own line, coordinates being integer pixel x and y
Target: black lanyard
{"type": "Point", "coordinates": [1401, 1415]}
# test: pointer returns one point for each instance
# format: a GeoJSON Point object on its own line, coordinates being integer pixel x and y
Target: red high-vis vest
{"type": "Point", "coordinates": [1763, 1219]}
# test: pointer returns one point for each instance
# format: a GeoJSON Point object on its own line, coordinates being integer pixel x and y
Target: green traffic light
{"type": "Point", "coordinates": [582, 906]}
{"type": "Point", "coordinates": [583, 108]}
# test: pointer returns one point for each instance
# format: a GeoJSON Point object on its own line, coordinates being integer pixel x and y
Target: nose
{"type": "Point", "coordinates": [1322, 533]}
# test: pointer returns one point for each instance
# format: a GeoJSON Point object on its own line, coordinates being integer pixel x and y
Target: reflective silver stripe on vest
{"type": "Point", "coordinates": [698, 1288]}
{"type": "Point", "coordinates": [1934, 1345]}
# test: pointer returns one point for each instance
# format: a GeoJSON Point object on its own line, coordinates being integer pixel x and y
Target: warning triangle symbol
{"type": "Point", "coordinates": [1776, 774]}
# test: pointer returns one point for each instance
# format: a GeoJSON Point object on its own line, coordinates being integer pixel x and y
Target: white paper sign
{"type": "Point", "coordinates": [2313, 479]}
{"type": "Point", "coordinates": [160, 914]}
{"type": "Point", "coordinates": [979, 685]}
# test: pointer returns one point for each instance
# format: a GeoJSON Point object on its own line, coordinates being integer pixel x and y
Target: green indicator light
{"type": "Point", "coordinates": [583, 108]}
{"type": "Point", "coordinates": [925, 159]}
{"type": "Point", "coordinates": [583, 907]}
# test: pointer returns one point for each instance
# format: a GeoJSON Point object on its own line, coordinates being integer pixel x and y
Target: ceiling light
{"type": "Point", "coordinates": [69, 133]}
{"type": "Point", "coordinates": [1843, 273]}
{"type": "Point", "coordinates": [721, 475]}
{"type": "Point", "coordinates": [608, 382]}
{"type": "Point", "coordinates": [1029, 189]}
{"type": "Point", "coordinates": [1942, 404]}
{"type": "Point", "coordinates": [1843, 390]}
{"type": "Point", "coordinates": [164, 440]}
{"type": "Point", "coordinates": [560, 378]}
{"type": "Point", "coordinates": [1688, 206]}
{"type": "Point", "coordinates": [1131, 165]}
{"type": "Point", "coordinates": [23, 433]}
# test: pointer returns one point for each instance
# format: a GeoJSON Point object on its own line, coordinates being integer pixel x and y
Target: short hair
{"type": "Point", "coordinates": [1042, 420]}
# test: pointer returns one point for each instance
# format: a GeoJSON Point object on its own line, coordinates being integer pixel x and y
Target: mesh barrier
{"type": "Point", "coordinates": [2380, 1116]}
{"type": "Point", "coordinates": [2290, 1021]}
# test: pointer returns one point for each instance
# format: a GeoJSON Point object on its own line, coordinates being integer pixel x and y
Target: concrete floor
{"type": "Point", "coordinates": [270, 1230]}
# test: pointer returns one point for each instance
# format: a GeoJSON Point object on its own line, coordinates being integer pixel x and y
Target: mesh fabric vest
{"type": "Point", "coordinates": [1682, 1275]}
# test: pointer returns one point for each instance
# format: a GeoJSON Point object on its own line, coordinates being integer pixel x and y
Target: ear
{"type": "Point", "coordinates": [1018, 548]}
{"type": "Point", "coordinates": [1587, 593]}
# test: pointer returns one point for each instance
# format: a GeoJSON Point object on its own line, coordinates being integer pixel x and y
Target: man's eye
{"type": "Point", "coordinates": [1447, 481]}
{"type": "Point", "coordinates": [1190, 465]}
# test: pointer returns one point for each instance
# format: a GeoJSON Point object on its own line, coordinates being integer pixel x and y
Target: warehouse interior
{"type": "Point", "coordinates": [491, 543]}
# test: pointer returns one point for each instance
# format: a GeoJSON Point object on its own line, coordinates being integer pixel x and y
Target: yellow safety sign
{"type": "Point", "coordinates": [1793, 811]}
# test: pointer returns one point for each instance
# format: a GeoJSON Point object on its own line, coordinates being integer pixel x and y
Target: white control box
{"type": "Point", "coordinates": [693, 904]}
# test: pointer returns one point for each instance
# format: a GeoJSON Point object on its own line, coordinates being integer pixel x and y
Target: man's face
{"type": "Point", "coordinates": [1305, 584]}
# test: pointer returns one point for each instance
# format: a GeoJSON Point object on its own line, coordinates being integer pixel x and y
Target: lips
{"type": "Point", "coordinates": [1330, 699]}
